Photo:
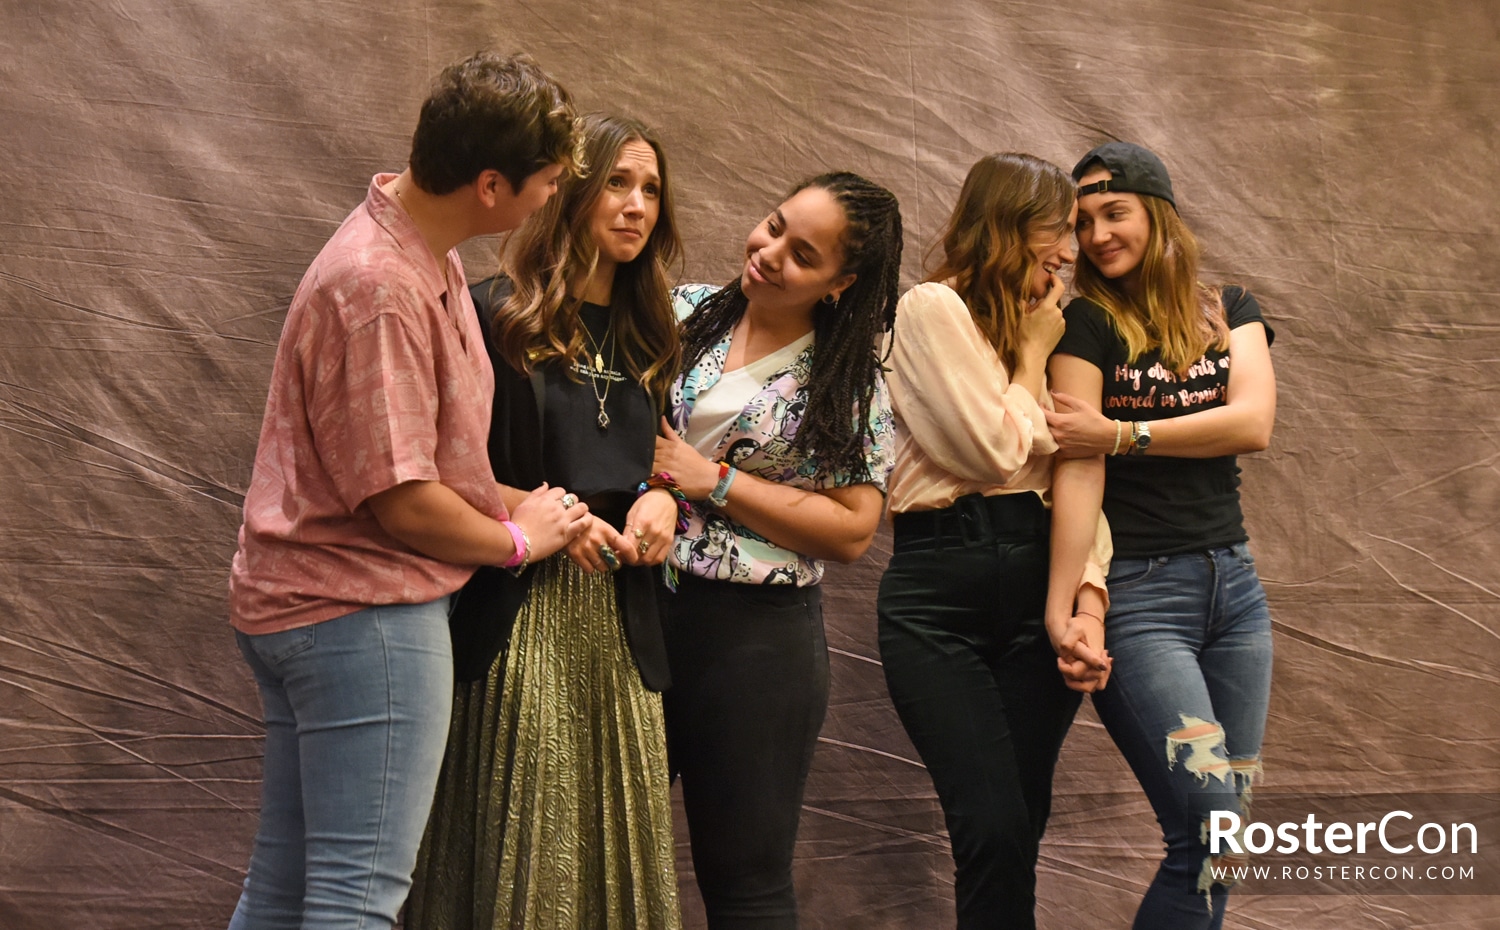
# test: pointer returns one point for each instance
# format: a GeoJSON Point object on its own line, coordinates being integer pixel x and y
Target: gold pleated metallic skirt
{"type": "Point", "coordinates": [553, 809]}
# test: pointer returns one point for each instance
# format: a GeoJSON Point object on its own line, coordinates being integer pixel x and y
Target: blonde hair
{"type": "Point", "coordinates": [1170, 309]}
{"type": "Point", "coordinates": [1005, 199]}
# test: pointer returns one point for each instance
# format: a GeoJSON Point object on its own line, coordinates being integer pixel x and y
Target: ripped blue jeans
{"type": "Point", "coordinates": [1186, 705]}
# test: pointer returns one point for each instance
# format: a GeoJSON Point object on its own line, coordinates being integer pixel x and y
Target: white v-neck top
{"type": "Point", "coordinates": [719, 406]}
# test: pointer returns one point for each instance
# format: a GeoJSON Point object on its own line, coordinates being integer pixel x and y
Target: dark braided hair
{"type": "Point", "coordinates": [846, 359]}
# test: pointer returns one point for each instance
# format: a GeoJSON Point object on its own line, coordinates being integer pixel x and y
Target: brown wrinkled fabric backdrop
{"type": "Point", "coordinates": [170, 167]}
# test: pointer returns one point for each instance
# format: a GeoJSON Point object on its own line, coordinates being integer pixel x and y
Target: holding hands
{"type": "Point", "coordinates": [550, 518]}
{"type": "Point", "coordinates": [1081, 657]}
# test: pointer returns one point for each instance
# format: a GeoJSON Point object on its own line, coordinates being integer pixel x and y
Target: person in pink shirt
{"type": "Point", "coordinates": [372, 501]}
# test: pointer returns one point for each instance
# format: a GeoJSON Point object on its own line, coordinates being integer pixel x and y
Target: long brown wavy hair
{"type": "Point", "coordinates": [1168, 308]}
{"type": "Point", "coordinates": [982, 252]}
{"type": "Point", "coordinates": [539, 322]}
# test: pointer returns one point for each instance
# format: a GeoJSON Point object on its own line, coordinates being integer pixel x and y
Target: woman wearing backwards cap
{"type": "Point", "coordinates": [1151, 347]}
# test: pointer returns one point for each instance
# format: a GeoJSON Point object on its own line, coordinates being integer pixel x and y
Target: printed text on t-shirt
{"type": "Point", "coordinates": [1158, 391]}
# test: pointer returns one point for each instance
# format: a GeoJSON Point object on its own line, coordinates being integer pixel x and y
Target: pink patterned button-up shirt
{"type": "Point", "coordinates": [381, 378]}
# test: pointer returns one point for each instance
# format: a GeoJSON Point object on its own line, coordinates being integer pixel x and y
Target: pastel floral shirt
{"type": "Point", "coordinates": [760, 443]}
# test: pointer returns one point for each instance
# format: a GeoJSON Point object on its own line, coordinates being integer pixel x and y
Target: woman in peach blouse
{"type": "Point", "coordinates": [984, 686]}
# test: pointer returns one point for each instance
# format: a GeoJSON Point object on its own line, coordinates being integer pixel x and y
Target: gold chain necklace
{"type": "Point", "coordinates": [597, 368]}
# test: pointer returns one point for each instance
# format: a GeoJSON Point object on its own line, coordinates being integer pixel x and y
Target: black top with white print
{"type": "Point", "coordinates": [1157, 504]}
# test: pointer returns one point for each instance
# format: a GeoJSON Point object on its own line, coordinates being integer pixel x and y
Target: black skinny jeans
{"type": "Point", "coordinates": [749, 692]}
{"type": "Point", "coordinates": [973, 676]}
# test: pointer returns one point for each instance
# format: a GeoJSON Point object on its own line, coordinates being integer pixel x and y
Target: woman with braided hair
{"type": "Point", "coordinates": [985, 685]}
{"type": "Point", "coordinates": [780, 432]}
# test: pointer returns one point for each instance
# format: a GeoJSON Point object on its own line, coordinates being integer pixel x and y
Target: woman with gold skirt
{"type": "Point", "coordinates": [553, 807]}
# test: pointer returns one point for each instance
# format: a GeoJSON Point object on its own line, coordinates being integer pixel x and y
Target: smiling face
{"type": "Point", "coordinates": [1051, 251]}
{"type": "Point", "coordinates": [795, 257]}
{"type": "Point", "coordinates": [627, 208]}
{"type": "Point", "coordinates": [1113, 228]}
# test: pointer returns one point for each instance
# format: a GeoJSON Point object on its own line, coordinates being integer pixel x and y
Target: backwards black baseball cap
{"type": "Point", "coordinates": [1133, 168]}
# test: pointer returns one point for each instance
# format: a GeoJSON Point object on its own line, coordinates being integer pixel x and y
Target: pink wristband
{"type": "Point", "coordinates": [523, 545]}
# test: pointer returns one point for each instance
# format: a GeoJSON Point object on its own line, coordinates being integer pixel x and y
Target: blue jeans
{"type": "Point", "coordinates": [1186, 705]}
{"type": "Point", "coordinates": [356, 721]}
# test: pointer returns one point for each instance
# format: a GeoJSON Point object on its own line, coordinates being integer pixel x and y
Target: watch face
{"type": "Point", "coordinates": [1140, 437]}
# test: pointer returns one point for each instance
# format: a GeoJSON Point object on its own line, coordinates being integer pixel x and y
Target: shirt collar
{"type": "Point", "coordinates": [386, 210]}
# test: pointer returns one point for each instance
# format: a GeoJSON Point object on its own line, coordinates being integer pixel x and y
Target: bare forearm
{"type": "Point", "coordinates": [1227, 430]}
{"type": "Point", "coordinates": [838, 525]}
{"type": "Point", "coordinates": [433, 519]}
{"type": "Point", "coordinates": [1245, 421]}
{"type": "Point", "coordinates": [1077, 494]}
{"type": "Point", "coordinates": [511, 497]}
{"type": "Point", "coordinates": [1031, 374]}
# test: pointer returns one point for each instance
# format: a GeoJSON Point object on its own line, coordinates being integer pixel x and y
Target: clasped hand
{"type": "Point", "coordinates": [1081, 657]}
{"type": "Point", "coordinates": [650, 527]}
{"type": "Point", "coordinates": [1080, 430]}
{"type": "Point", "coordinates": [694, 474]}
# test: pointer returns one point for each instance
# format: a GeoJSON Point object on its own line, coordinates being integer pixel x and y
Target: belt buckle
{"type": "Point", "coordinates": [973, 521]}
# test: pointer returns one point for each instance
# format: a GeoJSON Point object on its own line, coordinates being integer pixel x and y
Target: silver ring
{"type": "Point", "coordinates": [569, 499]}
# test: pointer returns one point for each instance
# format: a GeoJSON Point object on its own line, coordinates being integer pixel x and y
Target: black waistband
{"type": "Point", "coordinates": [973, 520]}
{"type": "Point", "coordinates": [696, 586]}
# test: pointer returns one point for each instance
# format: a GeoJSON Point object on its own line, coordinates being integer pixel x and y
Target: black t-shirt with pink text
{"type": "Point", "coordinates": [1157, 504]}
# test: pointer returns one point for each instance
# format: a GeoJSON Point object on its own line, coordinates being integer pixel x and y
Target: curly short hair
{"type": "Point", "coordinates": [493, 111]}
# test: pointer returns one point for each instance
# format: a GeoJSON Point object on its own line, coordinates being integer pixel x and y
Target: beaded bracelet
{"type": "Point", "coordinates": [664, 481]}
{"type": "Point", "coordinates": [684, 511]}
